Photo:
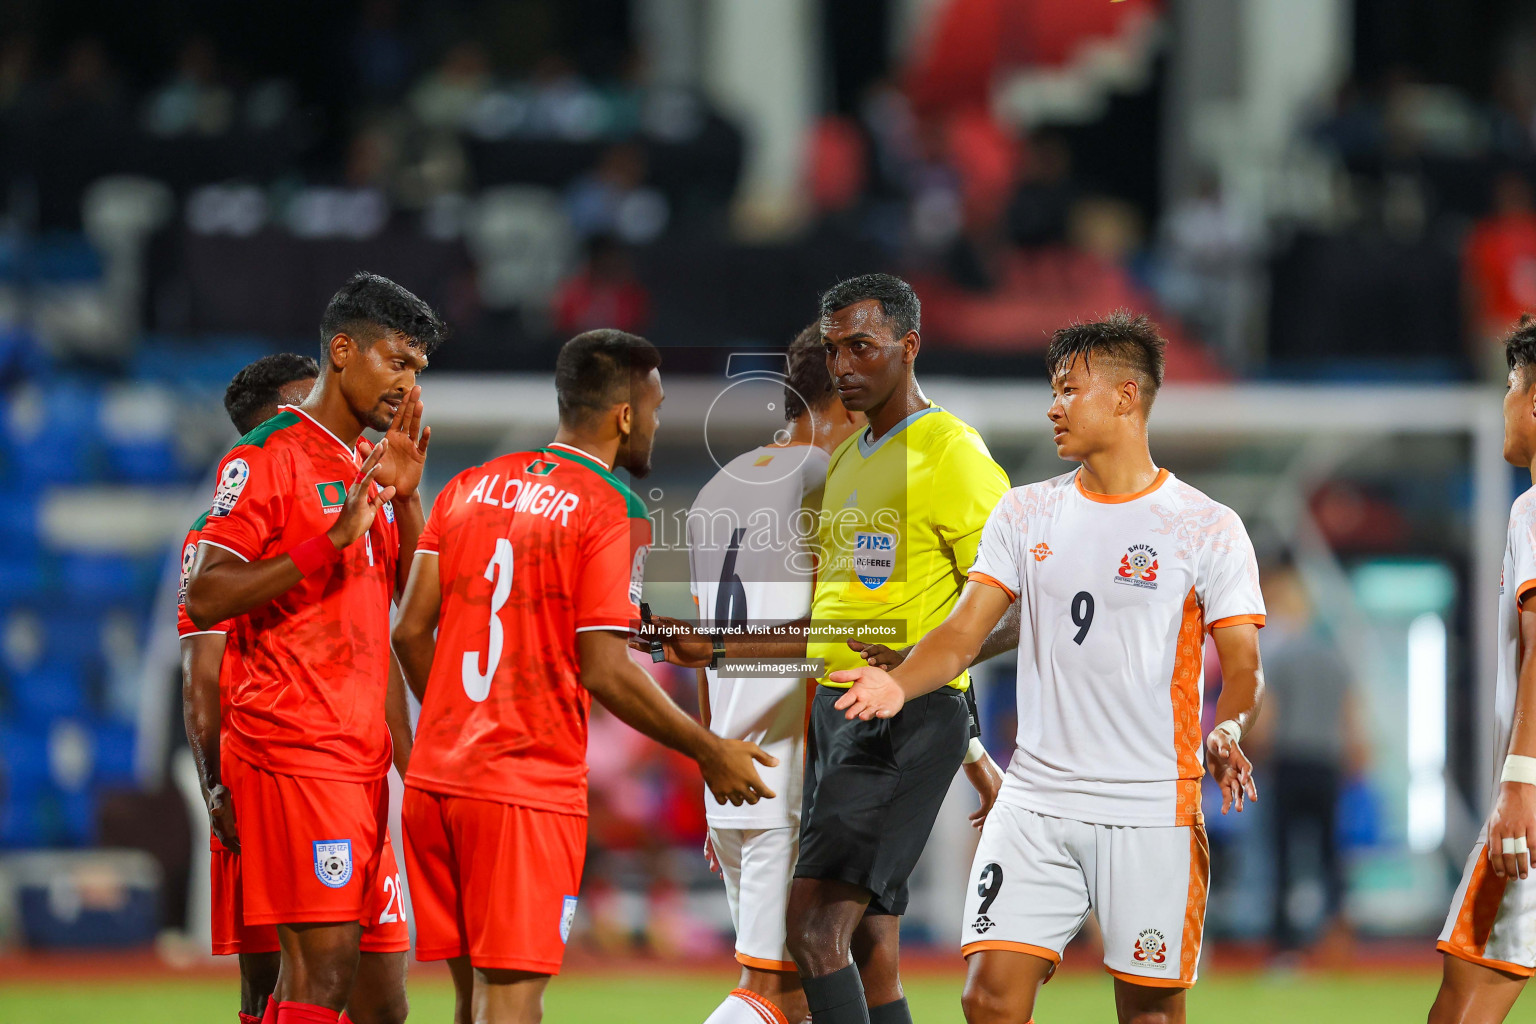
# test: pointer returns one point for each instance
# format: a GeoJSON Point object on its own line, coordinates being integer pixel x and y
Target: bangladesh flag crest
{"type": "Point", "coordinates": [333, 494]}
{"type": "Point", "coordinates": [541, 467]}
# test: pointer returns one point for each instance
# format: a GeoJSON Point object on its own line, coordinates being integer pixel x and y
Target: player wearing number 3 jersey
{"type": "Point", "coordinates": [1121, 570]}
{"type": "Point", "coordinates": [529, 572]}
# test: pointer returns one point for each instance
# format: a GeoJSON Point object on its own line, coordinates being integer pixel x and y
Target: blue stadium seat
{"type": "Point", "coordinates": [98, 578]}
{"type": "Point", "coordinates": [113, 754]}
{"type": "Point", "coordinates": [50, 691]}
{"type": "Point", "coordinates": [63, 258]}
{"type": "Point", "coordinates": [24, 818]}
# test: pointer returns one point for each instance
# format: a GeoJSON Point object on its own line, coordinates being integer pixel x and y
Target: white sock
{"type": "Point", "coordinates": [741, 1007]}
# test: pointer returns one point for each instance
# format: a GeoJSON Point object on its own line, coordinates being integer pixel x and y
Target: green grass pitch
{"type": "Point", "coordinates": [667, 997]}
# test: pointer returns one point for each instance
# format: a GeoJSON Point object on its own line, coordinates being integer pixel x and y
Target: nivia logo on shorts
{"type": "Point", "coordinates": [333, 495]}
{"type": "Point", "coordinates": [333, 862]}
{"type": "Point", "coordinates": [1138, 567]}
{"type": "Point", "coordinates": [1151, 950]}
{"type": "Point", "coordinates": [983, 924]}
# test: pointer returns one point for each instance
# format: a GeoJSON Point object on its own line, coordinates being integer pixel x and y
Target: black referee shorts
{"type": "Point", "coordinates": [873, 790]}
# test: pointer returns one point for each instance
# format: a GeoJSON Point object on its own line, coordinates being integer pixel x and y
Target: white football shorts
{"type": "Point", "coordinates": [1036, 877]}
{"type": "Point", "coordinates": [758, 864]}
{"type": "Point", "coordinates": [1492, 920]}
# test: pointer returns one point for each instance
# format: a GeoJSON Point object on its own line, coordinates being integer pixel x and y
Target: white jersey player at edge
{"type": "Point", "coordinates": [750, 536]}
{"type": "Point", "coordinates": [1120, 569]}
{"type": "Point", "coordinates": [1489, 940]}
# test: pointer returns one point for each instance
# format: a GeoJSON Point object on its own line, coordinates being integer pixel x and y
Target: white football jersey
{"type": "Point", "coordinates": [751, 535]}
{"type": "Point", "coordinates": [1118, 594]}
{"type": "Point", "coordinates": [1516, 581]}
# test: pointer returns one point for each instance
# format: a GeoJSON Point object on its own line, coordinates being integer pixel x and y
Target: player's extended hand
{"type": "Point", "coordinates": [1514, 817]}
{"type": "Point", "coordinates": [684, 644]}
{"type": "Point", "coordinates": [710, 858]}
{"type": "Point", "coordinates": [988, 780]}
{"type": "Point", "coordinates": [221, 817]}
{"type": "Point", "coordinates": [874, 694]}
{"type": "Point", "coordinates": [357, 514]}
{"type": "Point", "coordinates": [407, 439]}
{"type": "Point", "coordinates": [879, 655]}
{"type": "Point", "coordinates": [1231, 769]}
{"type": "Point", "coordinates": [730, 774]}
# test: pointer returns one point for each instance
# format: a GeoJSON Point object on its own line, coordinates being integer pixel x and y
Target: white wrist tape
{"type": "Point", "coordinates": [1519, 769]}
{"type": "Point", "coordinates": [975, 752]}
{"type": "Point", "coordinates": [1230, 729]}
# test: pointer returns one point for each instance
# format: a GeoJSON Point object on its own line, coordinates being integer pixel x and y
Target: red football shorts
{"type": "Point", "coordinates": [231, 935]}
{"type": "Point", "coordinates": [317, 850]}
{"type": "Point", "coordinates": [493, 881]}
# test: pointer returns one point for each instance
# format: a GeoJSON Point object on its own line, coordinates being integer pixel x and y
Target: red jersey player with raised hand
{"type": "Point", "coordinates": [528, 574]}
{"type": "Point", "coordinates": [308, 550]}
{"type": "Point", "coordinates": [252, 398]}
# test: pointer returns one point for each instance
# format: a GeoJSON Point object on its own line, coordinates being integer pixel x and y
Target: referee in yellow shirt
{"type": "Point", "coordinates": [902, 515]}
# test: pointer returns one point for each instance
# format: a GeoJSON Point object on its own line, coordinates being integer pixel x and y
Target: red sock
{"type": "Point", "coordinates": [344, 1018]}
{"type": "Point", "coordinates": [246, 1018]}
{"type": "Point", "coordinates": [305, 1013]}
{"type": "Point", "coordinates": [269, 1016]}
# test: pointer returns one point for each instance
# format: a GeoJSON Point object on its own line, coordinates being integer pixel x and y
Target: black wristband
{"type": "Point", "coordinates": [718, 641]}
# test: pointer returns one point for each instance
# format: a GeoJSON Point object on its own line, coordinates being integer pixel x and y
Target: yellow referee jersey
{"type": "Point", "coordinates": [900, 524]}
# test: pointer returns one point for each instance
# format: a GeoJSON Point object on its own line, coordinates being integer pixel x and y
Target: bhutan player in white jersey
{"type": "Point", "coordinates": [751, 534]}
{"type": "Point", "coordinates": [1489, 940]}
{"type": "Point", "coordinates": [1120, 570]}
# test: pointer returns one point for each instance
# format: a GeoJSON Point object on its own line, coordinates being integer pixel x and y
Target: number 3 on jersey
{"type": "Point", "coordinates": [477, 684]}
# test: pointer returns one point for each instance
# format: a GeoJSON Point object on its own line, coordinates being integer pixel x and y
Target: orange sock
{"type": "Point", "coordinates": [762, 1004]}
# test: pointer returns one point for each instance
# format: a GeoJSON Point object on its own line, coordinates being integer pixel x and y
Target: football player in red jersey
{"type": "Point", "coordinates": [307, 550]}
{"type": "Point", "coordinates": [252, 398]}
{"type": "Point", "coordinates": [520, 602]}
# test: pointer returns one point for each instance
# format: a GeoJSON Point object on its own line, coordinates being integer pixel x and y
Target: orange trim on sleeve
{"type": "Point", "coordinates": [765, 965]}
{"type": "Point", "coordinates": [981, 577]}
{"type": "Point", "coordinates": [1522, 590]}
{"type": "Point", "coordinates": [1119, 499]}
{"type": "Point", "coordinates": [1136, 979]}
{"type": "Point", "coordinates": [1237, 620]}
{"type": "Point", "coordinates": [1010, 947]}
{"type": "Point", "coordinates": [1194, 906]}
{"type": "Point", "coordinates": [1184, 693]}
{"type": "Point", "coordinates": [1497, 965]}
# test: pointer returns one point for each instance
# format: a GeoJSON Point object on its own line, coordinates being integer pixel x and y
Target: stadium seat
{"type": "Point", "coordinates": [138, 431]}
{"type": "Point", "coordinates": [98, 578]}
{"type": "Point", "coordinates": [48, 692]}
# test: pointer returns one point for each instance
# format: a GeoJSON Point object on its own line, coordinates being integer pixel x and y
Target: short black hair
{"type": "Point", "coordinates": [369, 305]}
{"type": "Point", "coordinates": [1520, 346]}
{"type": "Point", "coordinates": [809, 385]}
{"type": "Point", "coordinates": [255, 388]}
{"type": "Point", "coordinates": [897, 300]}
{"type": "Point", "coordinates": [1123, 337]}
{"type": "Point", "coordinates": [594, 371]}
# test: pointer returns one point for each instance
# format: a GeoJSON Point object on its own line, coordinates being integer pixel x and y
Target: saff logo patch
{"type": "Point", "coordinates": [232, 480]}
{"type": "Point", "coordinates": [1138, 567]}
{"type": "Point", "coordinates": [333, 495]}
{"type": "Point", "coordinates": [567, 918]}
{"type": "Point", "coordinates": [333, 862]}
{"type": "Point", "coordinates": [874, 558]}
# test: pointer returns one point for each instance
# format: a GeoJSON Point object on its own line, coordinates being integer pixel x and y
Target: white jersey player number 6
{"type": "Point", "coordinates": [477, 684]}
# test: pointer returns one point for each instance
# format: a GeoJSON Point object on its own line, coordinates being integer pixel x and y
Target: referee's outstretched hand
{"type": "Point", "coordinates": [874, 694]}
{"type": "Point", "coordinates": [729, 772]}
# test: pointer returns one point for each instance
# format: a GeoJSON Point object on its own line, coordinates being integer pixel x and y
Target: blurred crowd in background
{"type": "Point", "coordinates": [181, 187]}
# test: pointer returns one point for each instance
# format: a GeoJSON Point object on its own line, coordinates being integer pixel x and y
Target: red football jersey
{"type": "Point", "coordinates": [533, 548]}
{"type": "Point", "coordinates": [185, 627]}
{"type": "Point", "coordinates": [307, 697]}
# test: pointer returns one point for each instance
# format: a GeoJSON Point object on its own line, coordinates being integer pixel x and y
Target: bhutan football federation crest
{"type": "Point", "coordinates": [1151, 950]}
{"type": "Point", "coordinates": [1138, 567]}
